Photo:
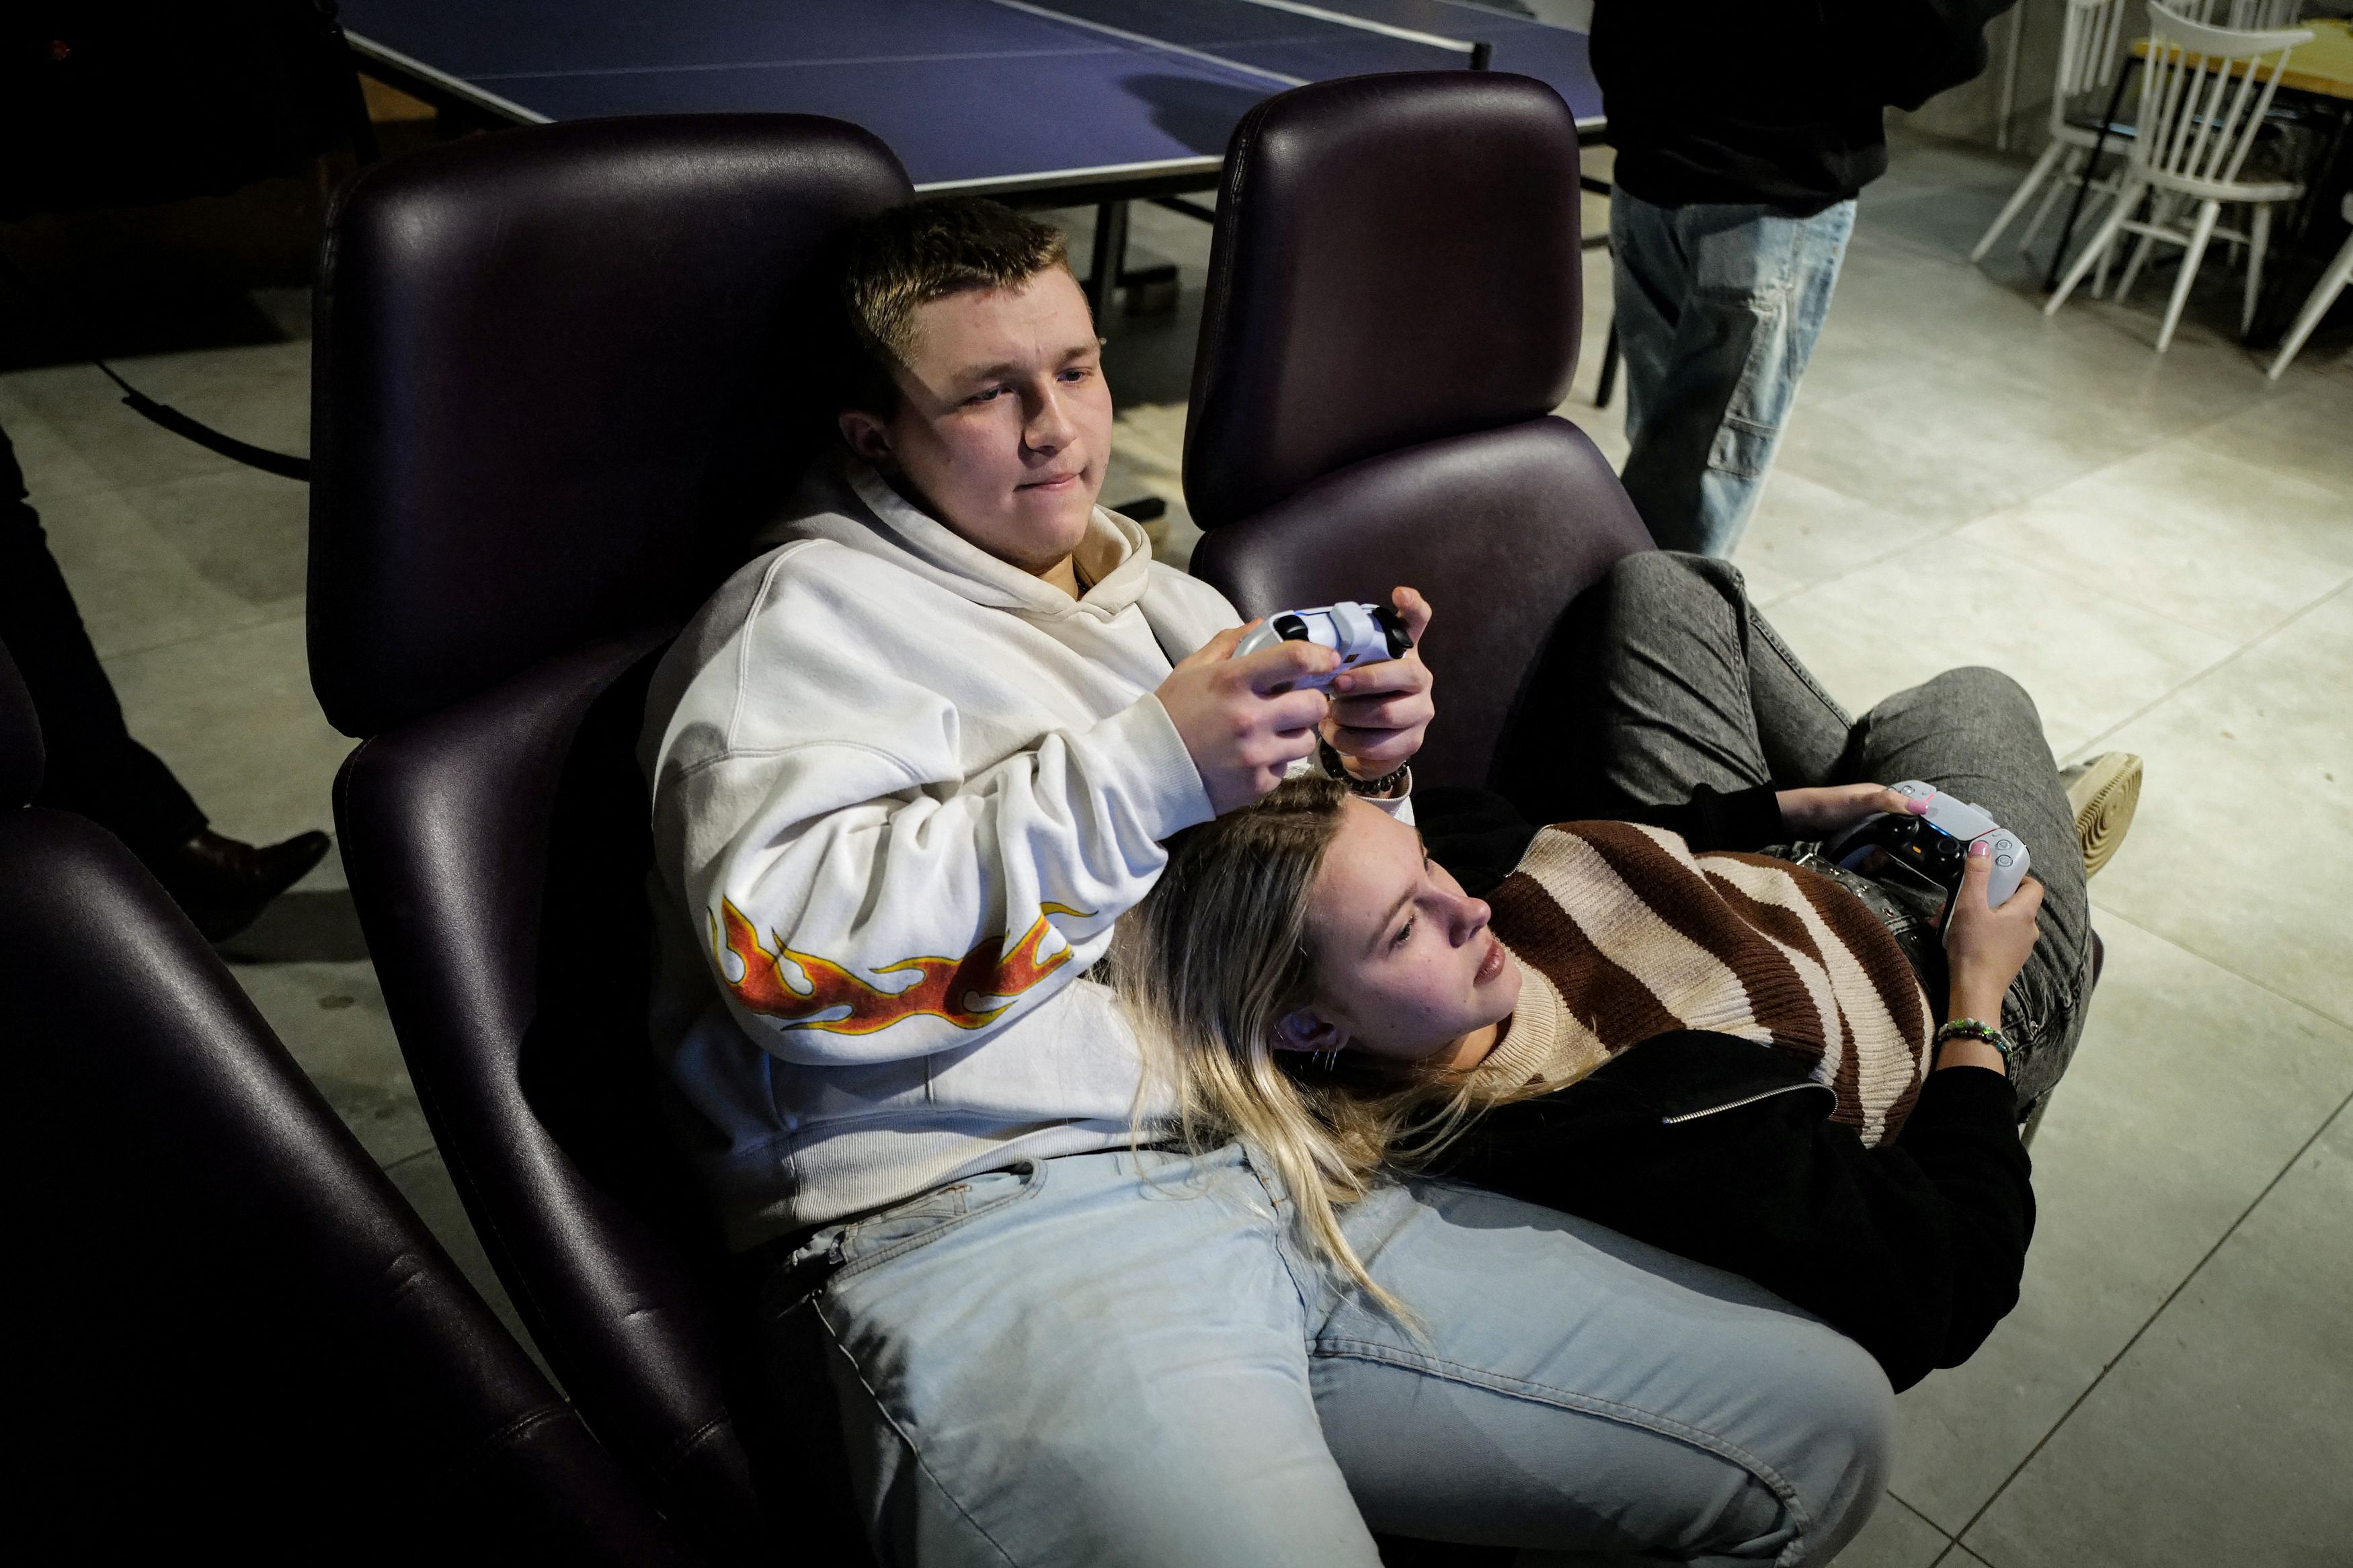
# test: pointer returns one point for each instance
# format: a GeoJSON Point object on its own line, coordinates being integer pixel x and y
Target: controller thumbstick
{"type": "Point", "coordinates": [1392, 626]}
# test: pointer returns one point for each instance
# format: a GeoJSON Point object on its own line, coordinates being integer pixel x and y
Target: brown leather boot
{"type": "Point", "coordinates": [222, 885]}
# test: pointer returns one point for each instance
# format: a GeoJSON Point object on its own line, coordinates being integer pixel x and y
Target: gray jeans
{"type": "Point", "coordinates": [1676, 680]}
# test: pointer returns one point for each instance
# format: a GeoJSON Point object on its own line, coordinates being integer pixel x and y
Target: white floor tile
{"type": "Point", "coordinates": [2225, 545]}
{"type": "Point", "coordinates": [260, 394]}
{"type": "Point", "coordinates": [2242, 848]}
{"type": "Point", "coordinates": [233, 715]}
{"type": "Point", "coordinates": [1896, 1537]}
{"type": "Point", "coordinates": [2221, 1435]}
{"type": "Point", "coordinates": [2309, 434]}
{"type": "Point", "coordinates": [2091, 660]}
{"type": "Point", "coordinates": [2190, 1091]}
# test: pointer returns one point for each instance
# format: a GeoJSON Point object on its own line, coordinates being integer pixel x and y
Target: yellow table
{"type": "Point", "coordinates": [2323, 68]}
{"type": "Point", "coordinates": [2324, 65]}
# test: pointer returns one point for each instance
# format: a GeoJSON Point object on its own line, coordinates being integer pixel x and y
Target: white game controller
{"type": "Point", "coordinates": [1359, 634]}
{"type": "Point", "coordinates": [1937, 843]}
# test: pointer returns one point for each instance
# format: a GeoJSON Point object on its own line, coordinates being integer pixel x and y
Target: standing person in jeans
{"type": "Point", "coordinates": [909, 766]}
{"type": "Point", "coordinates": [1744, 132]}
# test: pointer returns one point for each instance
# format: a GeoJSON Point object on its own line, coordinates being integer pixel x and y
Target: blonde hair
{"type": "Point", "coordinates": [1209, 965]}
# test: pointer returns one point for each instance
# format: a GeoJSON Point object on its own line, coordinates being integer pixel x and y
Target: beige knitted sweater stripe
{"type": "Point", "coordinates": [1623, 934]}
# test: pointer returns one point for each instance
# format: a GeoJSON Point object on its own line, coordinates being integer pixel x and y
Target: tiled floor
{"type": "Point", "coordinates": [2160, 548]}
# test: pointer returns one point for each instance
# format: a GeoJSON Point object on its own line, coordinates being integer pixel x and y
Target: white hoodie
{"type": "Point", "coordinates": [902, 792]}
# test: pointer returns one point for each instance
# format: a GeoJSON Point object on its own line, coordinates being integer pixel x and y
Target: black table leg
{"type": "Point", "coordinates": [1110, 257]}
{"type": "Point", "coordinates": [2091, 173]}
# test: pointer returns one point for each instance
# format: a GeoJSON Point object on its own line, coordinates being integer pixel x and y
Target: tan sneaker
{"type": "Point", "coordinates": [2105, 792]}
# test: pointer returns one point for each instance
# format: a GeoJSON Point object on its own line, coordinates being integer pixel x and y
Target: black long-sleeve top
{"type": "Point", "coordinates": [1722, 1149]}
{"type": "Point", "coordinates": [1772, 102]}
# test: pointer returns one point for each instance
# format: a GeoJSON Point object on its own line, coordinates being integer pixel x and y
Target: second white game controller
{"type": "Point", "coordinates": [1937, 843]}
{"type": "Point", "coordinates": [1359, 634]}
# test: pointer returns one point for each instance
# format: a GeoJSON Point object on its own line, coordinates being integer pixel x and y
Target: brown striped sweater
{"type": "Point", "coordinates": [1623, 935]}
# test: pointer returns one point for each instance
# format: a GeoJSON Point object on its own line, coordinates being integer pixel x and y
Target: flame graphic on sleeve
{"type": "Point", "coordinates": [967, 992]}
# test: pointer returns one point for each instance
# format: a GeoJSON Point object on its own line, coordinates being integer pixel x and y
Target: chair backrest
{"type": "Point", "coordinates": [235, 1313]}
{"type": "Point", "coordinates": [2090, 40]}
{"type": "Point", "coordinates": [1393, 314]}
{"type": "Point", "coordinates": [2255, 15]}
{"type": "Point", "coordinates": [555, 369]}
{"type": "Point", "coordinates": [2203, 97]}
{"type": "Point", "coordinates": [1394, 259]}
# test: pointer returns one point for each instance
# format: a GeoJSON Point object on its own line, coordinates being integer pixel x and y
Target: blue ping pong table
{"type": "Point", "coordinates": [1037, 102]}
{"type": "Point", "coordinates": [1139, 96]}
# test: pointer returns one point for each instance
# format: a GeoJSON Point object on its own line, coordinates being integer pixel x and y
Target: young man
{"type": "Point", "coordinates": [1743, 132]}
{"type": "Point", "coordinates": [909, 767]}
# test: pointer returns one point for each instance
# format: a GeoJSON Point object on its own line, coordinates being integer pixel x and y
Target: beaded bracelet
{"type": "Point", "coordinates": [1371, 788]}
{"type": "Point", "coordinates": [1975, 1030]}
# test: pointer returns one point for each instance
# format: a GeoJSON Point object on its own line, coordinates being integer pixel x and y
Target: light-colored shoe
{"type": "Point", "coordinates": [2105, 792]}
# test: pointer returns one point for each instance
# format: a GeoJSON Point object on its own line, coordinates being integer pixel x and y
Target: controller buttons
{"type": "Point", "coordinates": [2001, 859]}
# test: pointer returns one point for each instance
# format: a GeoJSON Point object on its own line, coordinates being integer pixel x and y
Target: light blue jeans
{"type": "Point", "coordinates": [1121, 1358]}
{"type": "Point", "coordinates": [1718, 308]}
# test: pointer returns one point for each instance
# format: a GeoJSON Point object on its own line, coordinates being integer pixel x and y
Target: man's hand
{"type": "Point", "coordinates": [1985, 947]}
{"type": "Point", "coordinates": [1834, 808]}
{"type": "Point", "coordinates": [1380, 711]}
{"type": "Point", "coordinates": [1239, 718]}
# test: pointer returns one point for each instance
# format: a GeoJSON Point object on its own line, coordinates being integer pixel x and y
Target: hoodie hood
{"type": "Point", "coordinates": [854, 506]}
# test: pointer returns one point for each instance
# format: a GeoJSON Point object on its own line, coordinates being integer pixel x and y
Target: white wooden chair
{"type": "Point", "coordinates": [2324, 294]}
{"type": "Point", "coordinates": [2089, 42]}
{"type": "Point", "coordinates": [2251, 16]}
{"type": "Point", "coordinates": [2202, 101]}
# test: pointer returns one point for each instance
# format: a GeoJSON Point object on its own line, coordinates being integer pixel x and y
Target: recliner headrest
{"type": "Point", "coordinates": [553, 368]}
{"type": "Point", "coordinates": [1396, 260]}
{"type": "Point", "coordinates": [21, 755]}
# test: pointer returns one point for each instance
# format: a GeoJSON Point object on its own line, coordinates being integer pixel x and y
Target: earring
{"type": "Point", "coordinates": [1329, 1059]}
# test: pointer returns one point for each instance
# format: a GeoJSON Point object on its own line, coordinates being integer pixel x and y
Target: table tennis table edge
{"type": "Point", "coordinates": [438, 87]}
{"type": "Point", "coordinates": [1082, 186]}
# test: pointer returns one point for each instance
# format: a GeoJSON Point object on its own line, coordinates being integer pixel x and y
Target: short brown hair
{"type": "Point", "coordinates": [907, 257]}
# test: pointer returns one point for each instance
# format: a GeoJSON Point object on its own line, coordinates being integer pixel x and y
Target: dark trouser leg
{"type": "Point", "coordinates": [1669, 680]}
{"type": "Point", "coordinates": [1672, 680]}
{"type": "Point", "coordinates": [95, 768]}
{"type": "Point", "coordinates": [1974, 733]}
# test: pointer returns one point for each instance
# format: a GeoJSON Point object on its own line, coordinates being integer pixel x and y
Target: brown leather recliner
{"type": "Point", "coordinates": [234, 1335]}
{"type": "Point", "coordinates": [555, 383]}
{"type": "Point", "coordinates": [1392, 315]}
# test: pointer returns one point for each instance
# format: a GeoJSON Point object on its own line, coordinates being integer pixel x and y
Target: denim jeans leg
{"type": "Point", "coordinates": [1123, 1358]}
{"type": "Point", "coordinates": [1728, 301]}
{"type": "Point", "coordinates": [1571, 1389]}
{"type": "Point", "coordinates": [1109, 1367]}
{"type": "Point", "coordinates": [1648, 284]}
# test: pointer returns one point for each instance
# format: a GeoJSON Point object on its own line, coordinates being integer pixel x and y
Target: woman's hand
{"type": "Point", "coordinates": [1380, 711]}
{"type": "Point", "coordinates": [1985, 947]}
{"type": "Point", "coordinates": [1834, 808]}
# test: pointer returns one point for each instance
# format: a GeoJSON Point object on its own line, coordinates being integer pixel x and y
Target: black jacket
{"type": "Point", "coordinates": [1722, 1149]}
{"type": "Point", "coordinates": [1772, 102]}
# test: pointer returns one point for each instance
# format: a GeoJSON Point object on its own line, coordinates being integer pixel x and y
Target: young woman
{"type": "Point", "coordinates": [1720, 1053]}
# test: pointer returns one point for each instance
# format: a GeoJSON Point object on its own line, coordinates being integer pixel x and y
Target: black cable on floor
{"type": "Point", "coordinates": [285, 465]}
